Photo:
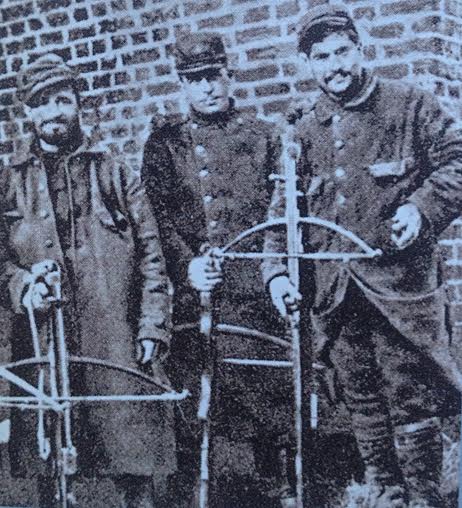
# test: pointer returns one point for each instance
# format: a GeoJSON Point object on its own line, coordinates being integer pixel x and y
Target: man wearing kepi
{"type": "Point", "coordinates": [207, 178]}
{"type": "Point", "coordinates": [384, 161]}
{"type": "Point", "coordinates": [67, 203]}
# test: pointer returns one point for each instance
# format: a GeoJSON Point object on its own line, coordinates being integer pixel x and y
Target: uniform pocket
{"type": "Point", "coordinates": [394, 169]}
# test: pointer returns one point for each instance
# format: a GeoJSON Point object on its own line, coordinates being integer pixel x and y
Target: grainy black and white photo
{"type": "Point", "coordinates": [230, 253]}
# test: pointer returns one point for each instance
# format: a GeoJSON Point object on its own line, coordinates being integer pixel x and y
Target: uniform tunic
{"type": "Point", "coordinates": [207, 179]}
{"type": "Point", "coordinates": [391, 145]}
{"type": "Point", "coordinates": [89, 213]}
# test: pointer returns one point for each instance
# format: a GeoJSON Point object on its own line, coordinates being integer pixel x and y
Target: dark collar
{"type": "Point", "coordinates": [30, 149]}
{"type": "Point", "coordinates": [326, 107]}
{"type": "Point", "coordinates": [215, 118]}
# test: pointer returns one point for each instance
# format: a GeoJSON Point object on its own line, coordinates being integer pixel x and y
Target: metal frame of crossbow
{"type": "Point", "coordinates": [293, 223]}
{"type": "Point", "coordinates": [61, 452]}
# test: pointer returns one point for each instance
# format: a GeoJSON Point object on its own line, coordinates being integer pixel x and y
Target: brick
{"type": "Point", "coordinates": [388, 31]}
{"type": "Point", "coordinates": [306, 85]}
{"type": "Point", "coordinates": [56, 19]}
{"type": "Point", "coordinates": [50, 5]}
{"type": "Point", "coordinates": [81, 14]}
{"type": "Point", "coordinates": [86, 67]}
{"type": "Point", "coordinates": [103, 81]}
{"type": "Point", "coordinates": [270, 52]}
{"type": "Point", "coordinates": [132, 147]}
{"type": "Point", "coordinates": [159, 34]}
{"type": "Point", "coordinates": [163, 69]}
{"type": "Point", "coordinates": [3, 32]}
{"type": "Point", "coordinates": [6, 98]}
{"type": "Point", "coordinates": [6, 147]}
{"type": "Point", "coordinates": [424, 45]}
{"type": "Point", "coordinates": [118, 41]}
{"type": "Point", "coordinates": [257, 14]}
{"type": "Point", "coordinates": [139, 38]}
{"type": "Point", "coordinates": [257, 33]}
{"type": "Point", "coordinates": [439, 88]}
{"type": "Point", "coordinates": [393, 71]}
{"type": "Point", "coordinates": [272, 89]}
{"type": "Point", "coordinates": [159, 16]}
{"type": "Point", "coordinates": [165, 88]}
{"type": "Point", "coordinates": [409, 6]}
{"type": "Point", "coordinates": [142, 74]}
{"type": "Point", "coordinates": [108, 63]}
{"type": "Point", "coordinates": [289, 69]}
{"type": "Point", "coordinates": [130, 94]}
{"type": "Point", "coordinates": [4, 115]}
{"type": "Point", "coordinates": [276, 107]}
{"type": "Point", "coordinates": [364, 13]}
{"type": "Point", "coordinates": [122, 78]}
{"type": "Point", "coordinates": [98, 47]}
{"type": "Point", "coordinates": [257, 73]}
{"type": "Point", "coordinates": [35, 24]}
{"type": "Point", "coordinates": [241, 93]}
{"type": "Point", "coordinates": [219, 22]}
{"type": "Point", "coordinates": [141, 56]}
{"type": "Point", "coordinates": [16, 47]}
{"type": "Point", "coordinates": [370, 52]}
{"type": "Point", "coordinates": [20, 11]}
{"type": "Point", "coordinates": [51, 38]}
{"type": "Point", "coordinates": [139, 4]}
{"type": "Point", "coordinates": [453, 7]}
{"type": "Point", "coordinates": [119, 5]}
{"type": "Point", "coordinates": [64, 53]}
{"type": "Point", "coordinates": [82, 50]}
{"type": "Point", "coordinates": [99, 9]}
{"type": "Point", "coordinates": [17, 28]}
{"type": "Point", "coordinates": [434, 67]}
{"type": "Point", "coordinates": [116, 24]}
{"type": "Point", "coordinates": [7, 83]}
{"type": "Point", "coordinates": [290, 8]}
{"type": "Point", "coordinates": [11, 129]}
{"type": "Point", "coordinates": [234, 2]}
{"type": "Point", "coordinates": [454, 91]}
{"type": "Point", "coordinates": [200, 6]}
{"type": "Point", "coordinates": [82, 33]}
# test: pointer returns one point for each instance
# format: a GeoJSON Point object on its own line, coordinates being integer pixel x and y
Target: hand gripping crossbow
{"type": "Point", "coordinates": [293, 223]}
{"type": "Point", "coordinates": [54, 366]}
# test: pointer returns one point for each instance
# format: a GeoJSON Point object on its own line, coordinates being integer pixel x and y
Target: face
{"type": "Point", "coordinates": [336, 63]}
{"type": "Point", "coordinates": [55, 115]}
{"type": "Point", "coordinates": [207, 92]}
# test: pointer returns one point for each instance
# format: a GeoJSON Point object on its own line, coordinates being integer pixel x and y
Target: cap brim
{"type": "Point", "coordinates": [43, 85]}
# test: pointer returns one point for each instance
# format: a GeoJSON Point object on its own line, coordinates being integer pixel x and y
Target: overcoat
{"type": "Point", "coordinates": [115, 290]}
{"type": "Point", "coordinates": [207, 180]}
{"type": "Point", "coordinates": [392, 144]}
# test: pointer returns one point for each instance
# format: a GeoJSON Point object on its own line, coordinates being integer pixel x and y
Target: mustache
{"type": "Point", "coordinates": [340, 72]}
{"type": "Point", "coordinates": [54, 120]}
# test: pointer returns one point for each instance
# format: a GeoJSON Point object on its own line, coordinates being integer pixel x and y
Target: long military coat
{"type": "Point", "coordinates": [207, 179]}
{"type": "Point", "coordinates": [391, 145]}
{"type": "Point", "coordinates": [115, 289]}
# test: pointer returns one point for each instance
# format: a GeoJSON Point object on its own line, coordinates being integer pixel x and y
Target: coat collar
{"type": "Point", "coordinates": [29, 150]}
{"type": "Point", "coordinates": [326, 107]}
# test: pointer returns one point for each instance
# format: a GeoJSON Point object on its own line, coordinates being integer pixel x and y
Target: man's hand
{"type": "Point", "coordinates": [205, 273]}
{"type": "Point", "coordinates": [147, 351]}
{"type": "Point", "coordinates": [38, 295]}
{"type": "Point", "coordinates": [284, 295]}
{"type": "Point", "coordinates": [407, 223]}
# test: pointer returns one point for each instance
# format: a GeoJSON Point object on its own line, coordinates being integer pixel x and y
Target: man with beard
{"type": "Point", "coordinates": [384, 161]}
{"type": "Point", "coordinates": [65, 202]}
{"type": "Point", "coordinates": [207, 178]}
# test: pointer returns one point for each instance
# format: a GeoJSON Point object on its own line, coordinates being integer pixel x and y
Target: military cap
{"type": "Point", "coordinates": [196, 52]}
{"type": "Point", "coordinates": [46, 71]}
{"type": "Point", "coordinates": [320, 19]}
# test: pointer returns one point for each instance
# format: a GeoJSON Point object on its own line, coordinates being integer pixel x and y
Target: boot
{"type": "Point", "coordinates": [374, 437]}
{"type": "Point", "coordinates": [135, 491]}
{"type": "Point", "coordinates": [420, 452]}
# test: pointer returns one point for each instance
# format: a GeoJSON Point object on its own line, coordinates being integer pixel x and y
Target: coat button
{"type": "Point", "coordinates": [200, 150]}
{"type": "Point", "coordinates": [203, 173]}
{"type": "Point", "coordinates": [48, 243]}
{"type": "Point", "coordinates": [194, 126]}
{"type": "Point", "coordinates": [341, 199]}
{"type": "Point", "coordinates": [41, 187]}
{"type": "Point", "coordinates": [44, 214]}
{"type": "Point", "coordinates": [336, 118]}
{"type": "Point", "coordinates": [207, 199]}
{"type": "Point", "coordinates": [339, 172]}
{"type": "Point", "coordinates": [213, 224]}
{"type": "Point", "coordinates": [339, 144]}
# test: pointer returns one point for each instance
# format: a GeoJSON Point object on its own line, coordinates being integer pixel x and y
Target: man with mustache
{"type": "Point", "coordinates": [384, 161]}
{"type": "Point", "coordinates": [207, 177]}
{"type": "Point", "coordinates": [66, 202]}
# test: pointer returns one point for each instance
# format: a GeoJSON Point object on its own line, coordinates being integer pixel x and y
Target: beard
{"type": "Point", "coordinates": [60, 133]}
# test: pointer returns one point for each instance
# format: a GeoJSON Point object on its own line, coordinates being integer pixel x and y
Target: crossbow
{"type": "Point", "coordinates": [54, 367]}
{"type": "Point", "coordinates": [293, 223]}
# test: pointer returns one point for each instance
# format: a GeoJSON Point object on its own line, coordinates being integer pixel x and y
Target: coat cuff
{"type": "Point", "coordinates": [17, 286]}
{"type": "Point", "coordinates": [430, 211]}
{"type": "Point", "coordinates": [271, 271]}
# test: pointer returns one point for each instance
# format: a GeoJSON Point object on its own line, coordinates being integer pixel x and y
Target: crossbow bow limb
{"type": "Point", "coordinates": [293, 223]}
{"type": "Point", "coordinates": [60, 401]}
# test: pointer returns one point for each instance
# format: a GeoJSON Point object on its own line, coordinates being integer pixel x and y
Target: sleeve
{"type": "Point", "coordinates": [158, 178]}
{"type": "Point", "coordinates": [154, 314]}
{"type": "Point", "coordinates": [439, 136]}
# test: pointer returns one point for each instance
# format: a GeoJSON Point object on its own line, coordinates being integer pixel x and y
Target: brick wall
{"type": "Point", "coordinates": [123, 48]}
